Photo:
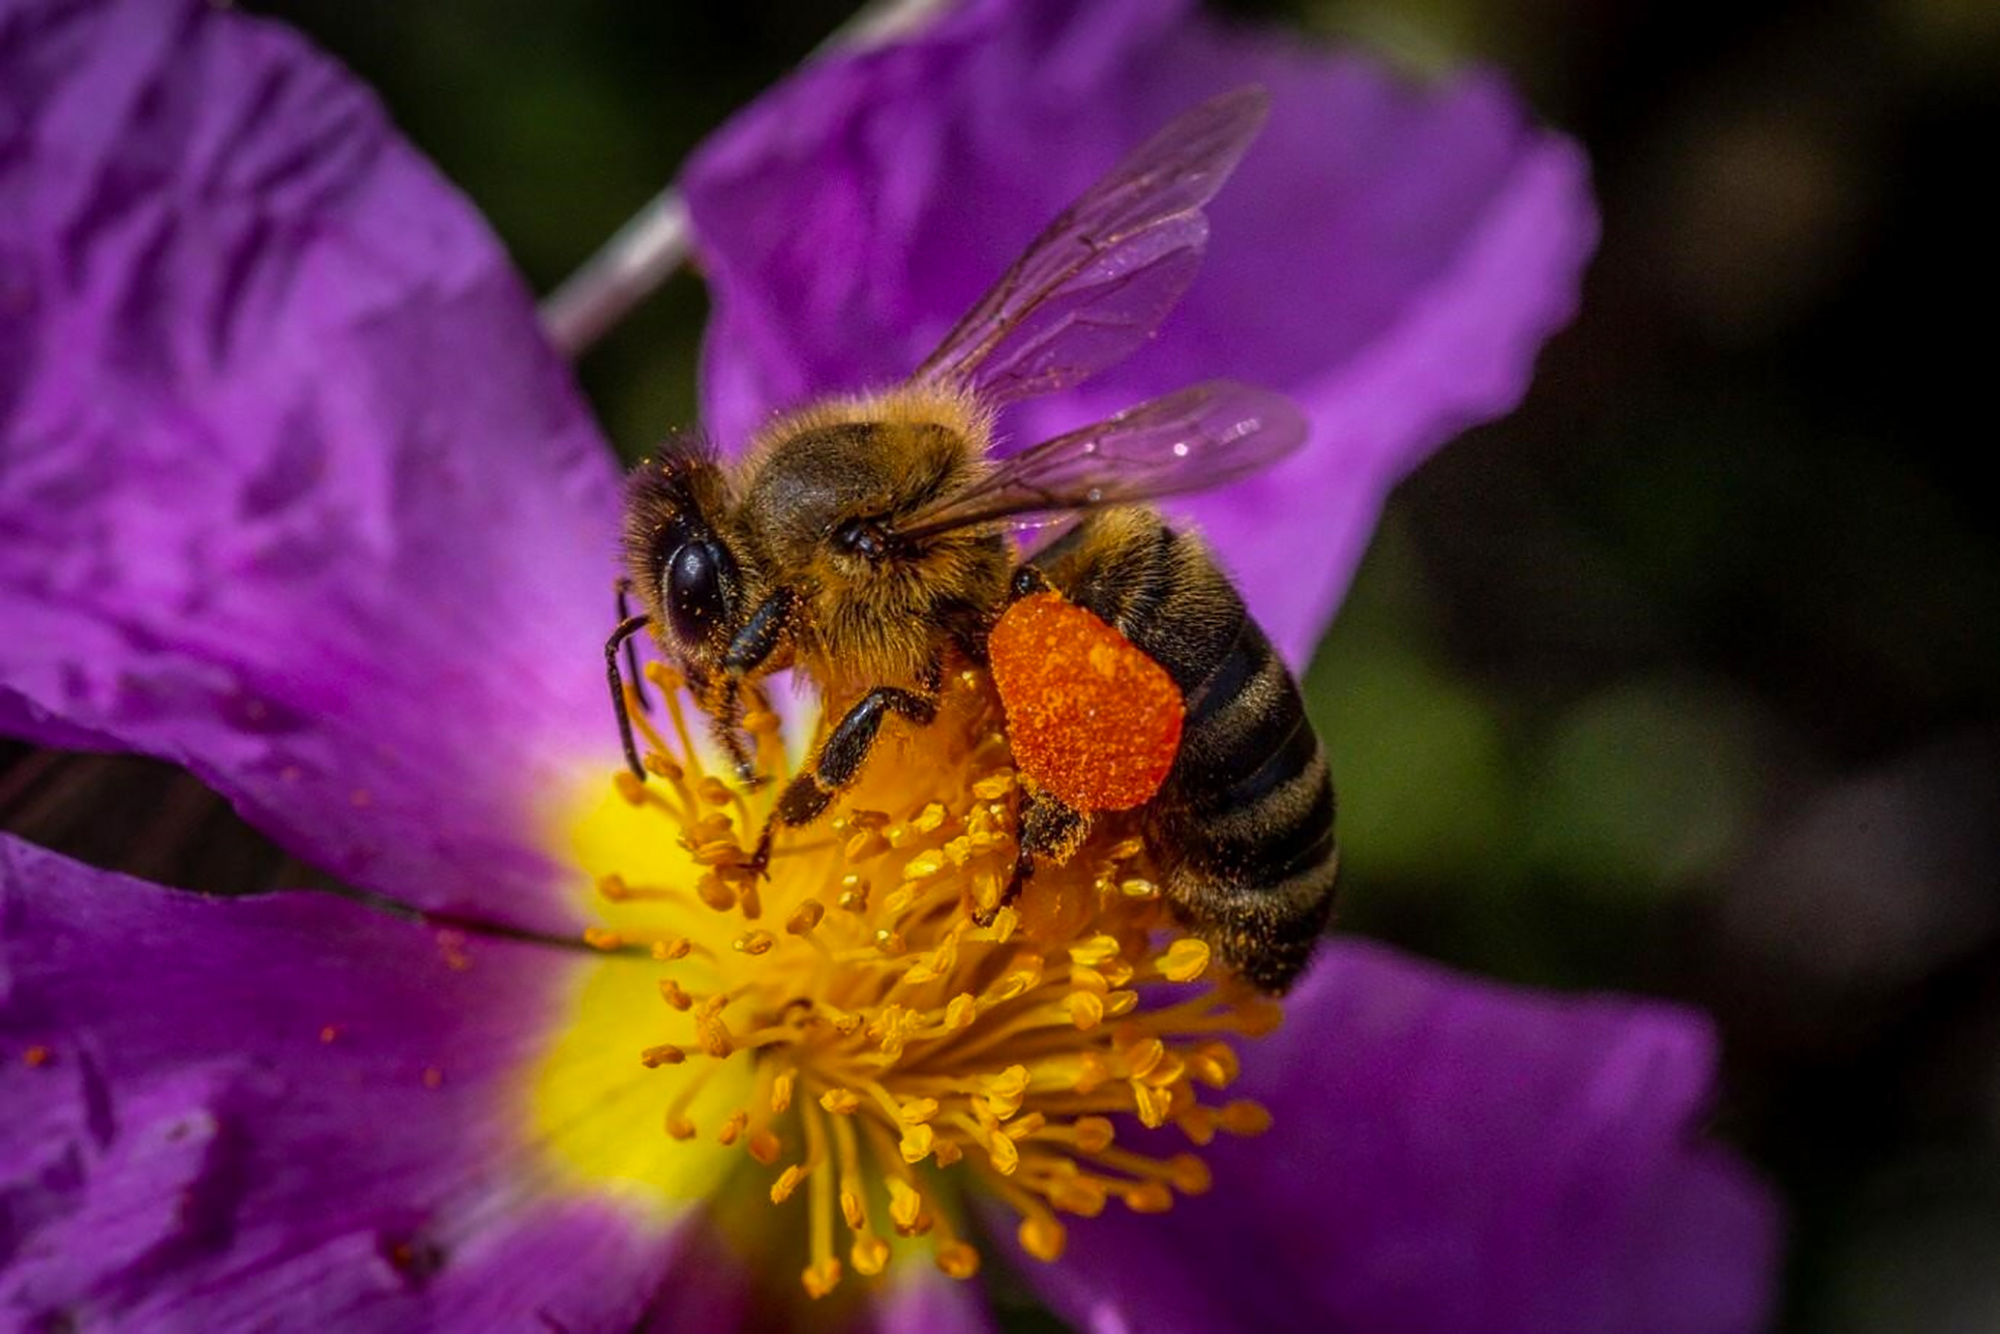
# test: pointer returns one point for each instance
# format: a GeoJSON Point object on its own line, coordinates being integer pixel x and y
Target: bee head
{"type": "Point", "coordinates": [678, 556]}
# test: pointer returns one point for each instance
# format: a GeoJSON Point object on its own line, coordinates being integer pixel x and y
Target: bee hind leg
{"type": "Point", "coordinates": [1051, 830]}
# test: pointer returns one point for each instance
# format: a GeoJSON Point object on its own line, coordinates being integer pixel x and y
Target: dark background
{"type": "Point", "coordinates": [1683, 679]}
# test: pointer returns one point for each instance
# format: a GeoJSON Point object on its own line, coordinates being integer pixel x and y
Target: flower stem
{"type": "Point", "coordinates": [656, 240]}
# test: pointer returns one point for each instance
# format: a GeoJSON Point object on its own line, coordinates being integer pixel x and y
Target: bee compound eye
{"type": "Point", "coordinates": [697, 600]}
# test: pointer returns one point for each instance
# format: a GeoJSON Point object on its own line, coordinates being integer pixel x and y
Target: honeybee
{"type": "Point", "coordinates": [865, 539]}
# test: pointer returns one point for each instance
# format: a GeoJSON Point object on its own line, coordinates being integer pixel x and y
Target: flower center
{"type": "Point", "coordinates": [895, 1048]}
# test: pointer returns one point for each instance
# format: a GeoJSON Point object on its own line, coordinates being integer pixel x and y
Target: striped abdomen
{"type": "Point", "coordinates": [1242, 829]}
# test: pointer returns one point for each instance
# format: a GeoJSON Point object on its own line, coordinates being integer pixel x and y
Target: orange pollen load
{"type": "Point", "coordinates": [1092, 719]}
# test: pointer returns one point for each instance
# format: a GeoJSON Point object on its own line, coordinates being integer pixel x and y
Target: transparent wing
{"type": "Point", "coordinates": [1199, 437]}
{"type": "Point", "coordinates": [1102, 277]}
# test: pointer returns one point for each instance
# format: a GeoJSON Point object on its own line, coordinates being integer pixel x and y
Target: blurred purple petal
{"type": "Point", "coordinates": [291, 491]}
{"type": "Point", "coordinates": [1449, 1155]}
{"type": "Point", "coordinates": [1390, 254]}
{"type": "Point", "coordinates": [222, 1109]}
{"type": "Point", "coordinates": [915, 1298]}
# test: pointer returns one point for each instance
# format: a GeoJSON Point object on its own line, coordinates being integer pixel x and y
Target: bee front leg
{"type": "Point", "coordinates": [807, 796]}
{"type": "Point", "coordinates": [749, 650]}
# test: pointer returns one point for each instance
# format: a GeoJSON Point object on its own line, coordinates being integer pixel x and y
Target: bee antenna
{"type": "Point", "coordinates": [637, 677]}
{"type": "Point", "coordinates": [628, 627]}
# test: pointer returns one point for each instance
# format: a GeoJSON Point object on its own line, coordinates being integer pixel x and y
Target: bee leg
{"type": "Point", "coordinates": [752, 646]}
{"type": "Point", "coordinates": [840, 760]}
{"type": "Point", "coordinates": [1051, 830]}
{"type": "Point", "coordinates": [726, 726]}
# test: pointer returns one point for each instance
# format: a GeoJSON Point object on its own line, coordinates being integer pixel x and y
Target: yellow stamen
{"type": "Point", "coordinates": [873, 1026]}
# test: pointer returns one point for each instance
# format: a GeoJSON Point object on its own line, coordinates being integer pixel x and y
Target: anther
{"type": "Point", "coordinates": [1214, 1064]}
{"type": "Point", "coordinates": [787, 1182]}
{"type": "Point", "coordinates": [1085, 1196]}
{"type": "Point", "coordinates": [714, 891]}
{"type": "Point", "coordinates": [673, 994]}
{"type": "Point", "coordinates": [906, 1205]}
{"type": "Point", "coordinates": [754, 942]}
{"type": "Point", "coordinates": [865, 844]}
{"type": "Point", "coordinates": [805, 917]}
{"type": "Point", "coordinates": [601, 938]}
{"type": "Point", "coordinates": [1094, 1133]}
{"type": "Point", "coordinates": [870, 1255]}
{"type": "Point", "coordinates": [821, 1277]}
{"type": "Point", "coordinates": [1043, 1237]}
{"type": "Point", "coordinates": [1153, 1105]}
{"type": "Point", "coordinates": [957, 1259]}
{"type": "Point", "coordinates": [994, 786]}
{"type": "Point", "coordinates": [665, 1054]}
{"type": "Point", "coordinates": [1190, 1174]}
{"type": "Point", "coordinates": [1184, 960]}
{"type": "Point", "coordinates": [1095, 952]}
{"type": "Point", "coordinates": [1245, 1118]}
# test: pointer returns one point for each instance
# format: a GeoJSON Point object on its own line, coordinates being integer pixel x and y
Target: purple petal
{"type": "Point", "coordinates": [915, 1298]}
{"type": "Point", "coordinates": [1391, 255]}
{"type": "Point", "coordinates": [291, 491]}
{"type": "Point", "coordinates": [1449, 1155]}
{"type": "Point", "coordinates": [225, 1113]}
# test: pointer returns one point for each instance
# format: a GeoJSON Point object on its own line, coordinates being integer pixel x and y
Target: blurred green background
{"type": "Point", "coordinates": [1684, 679]}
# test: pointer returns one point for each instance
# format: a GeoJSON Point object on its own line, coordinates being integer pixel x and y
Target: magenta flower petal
{"type": "Point", "coordinates": [222, 1110]}
{"type": "Point", "coordinates": [1389, 254]}
{"type": "Point", "coordinates": [1448, 1155]}
{"type": "Point", "coordinates": [291, 490]}
{"type": "Point", "coordinates": [917, 1299]}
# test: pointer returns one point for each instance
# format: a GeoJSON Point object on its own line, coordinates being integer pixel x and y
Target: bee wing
{"type": "Point", "coordinates": [1190, 440]}
{"type": "Point", "coordinates": [1101, 278]}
